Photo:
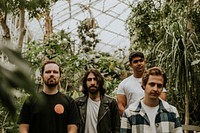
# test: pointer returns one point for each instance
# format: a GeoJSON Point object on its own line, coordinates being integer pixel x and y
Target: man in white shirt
{"type": "Point", "coordinates": [129, 90]}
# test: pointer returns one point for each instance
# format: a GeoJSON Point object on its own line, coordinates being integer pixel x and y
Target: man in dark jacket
{"type": "Point", "coordinates": [99, 113]}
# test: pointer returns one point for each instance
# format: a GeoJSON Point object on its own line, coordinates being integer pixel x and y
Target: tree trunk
{"type": "Point", "coordinates": [21, 29]}
{"type": "Point", "coordinates": [48, 25]}
{"type": "Point", "coordinates": [187, 113]}
{"type": "Point", "coordinates": [5, 26]}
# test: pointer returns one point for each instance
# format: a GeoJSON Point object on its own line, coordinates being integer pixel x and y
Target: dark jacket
{"type": "Point", "coordinates": [108, 116]}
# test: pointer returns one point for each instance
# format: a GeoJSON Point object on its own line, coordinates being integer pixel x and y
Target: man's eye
{"type": "Point", "coordinates": [152, 84]}
{"type": "Point", "coordinates": [141, 60]}
{"type": "Point", "coordinates": [89, 79]}
{"type": "Point", "coordinates": [55, 72]}
{"type": "Point", "coordinates": [136, 61]}
{"type": "Point", "coordinates": [48, 72]}
{"type": "Point", "coordinates": [160, 85]}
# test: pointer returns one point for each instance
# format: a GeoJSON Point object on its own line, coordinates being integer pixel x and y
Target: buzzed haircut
{"type": "Point", "coordinates": [50, 62]}
{"type": "Point", "coordinates": [135, 54]}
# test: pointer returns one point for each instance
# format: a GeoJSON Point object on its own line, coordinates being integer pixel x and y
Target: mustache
{"type": "Point", "coordinates": [92, 86]}
{"type": "Point", "coordinates": [155, 92]}
{"type": "Point", "coordinates": [51, 78]}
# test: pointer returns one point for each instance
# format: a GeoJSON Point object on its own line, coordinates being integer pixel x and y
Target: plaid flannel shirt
{"type": "Point", "coordinates": [135, 120]}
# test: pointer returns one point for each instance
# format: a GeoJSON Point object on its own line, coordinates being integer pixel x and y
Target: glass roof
{"type": "Point", "coordinates": [109, 14]}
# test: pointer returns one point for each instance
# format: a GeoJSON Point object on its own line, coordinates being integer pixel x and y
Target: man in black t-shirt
{"type": "Point", "coordinates": [49, 111]}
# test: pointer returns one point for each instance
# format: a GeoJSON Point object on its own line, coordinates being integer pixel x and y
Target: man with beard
{"type": "Point", "coordinates": [129, 90]}
{"type": "Point", "coordinates": [151, 114]}
{"type": "Point", "coordinates": [49, 111]}
{"type": "Point", "coordinates": [99, 113]}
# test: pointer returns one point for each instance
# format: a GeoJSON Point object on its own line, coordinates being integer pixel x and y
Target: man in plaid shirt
{"type": "Point", "coordinates": [151, 114]}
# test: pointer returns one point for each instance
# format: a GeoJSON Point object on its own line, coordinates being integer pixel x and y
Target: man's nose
{"type": "Point", "coordinates": [92, 81]}
{"type": "Point", "coordinates": [155, 87]}
{"type": "Point", "coordinates": [52, 73]}
{"type": "Point", "coordinates": [139, 62]}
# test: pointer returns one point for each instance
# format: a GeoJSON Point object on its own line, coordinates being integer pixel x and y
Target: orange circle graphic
{"type": "Point", "coordinates": [59, 109]}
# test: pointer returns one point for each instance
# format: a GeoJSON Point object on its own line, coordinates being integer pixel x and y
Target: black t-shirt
{"type": "Point", "coordinates": [49, 113]}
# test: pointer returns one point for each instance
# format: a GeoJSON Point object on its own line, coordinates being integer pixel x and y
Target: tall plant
{"type": "Point", "coordinates": [75, 61]}
{"type": "Point", "coordinates": [14, 76]}
{"type": "Point", "coordinates": [169, 35]}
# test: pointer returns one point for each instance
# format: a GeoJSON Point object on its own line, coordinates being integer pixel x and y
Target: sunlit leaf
{"type": "Point", "coordinates": [195, 62]}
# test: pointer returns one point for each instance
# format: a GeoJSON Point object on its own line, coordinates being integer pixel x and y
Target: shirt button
{"type": "Point", "coordinates": [157, 125]}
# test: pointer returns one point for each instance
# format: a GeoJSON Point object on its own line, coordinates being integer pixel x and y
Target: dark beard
{"type": "Point", "coordinates": [93, 91]}
{"type": "Point", "coordinates": [51, 82]}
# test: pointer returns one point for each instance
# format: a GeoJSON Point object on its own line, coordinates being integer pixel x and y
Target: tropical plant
{"type": "Point", "coordinates": [168, 32]}
{"type": "Point", "coordinates": [14, 75]}
{"type": "Point", "coordinates": [17, 9]}
{"type": "Point", "coordinates": [10, 72]}
{"type": "Point", "coordinates": [61, 47]}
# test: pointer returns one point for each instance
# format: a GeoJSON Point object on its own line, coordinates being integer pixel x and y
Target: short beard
{"type": "Point", "coordinates": [49, 84]}
{"type": "Point", "coordinates": [93, 91]}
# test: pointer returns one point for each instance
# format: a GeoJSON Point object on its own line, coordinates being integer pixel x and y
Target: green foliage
{"type": "Point", "coordinates": [143, 24]}
{"type": "Point", "coordinates": [194, 16]}
{"type": "Point", "coordinates": [168, 32]}
{"type": "Point", "coordinates": [75, 61]}
{"type": "Point", "coordinates": [34, 7]}
{"type": "Point", "coordinates": [14, 74]}
{"type": "Point", "coordinates": [9, 124]}
{"type": "Point", "coordinates": [87, 35]}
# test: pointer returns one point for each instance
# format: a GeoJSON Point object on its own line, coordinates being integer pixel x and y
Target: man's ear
{"type": "Point", "coordinates": [41, 79]}
{"type": "Point", "coordinates": [129, 64]}
{"type": "Point", "coordinates": [143, 87]}
{"type": "Point", "coordinates": [145, 61]}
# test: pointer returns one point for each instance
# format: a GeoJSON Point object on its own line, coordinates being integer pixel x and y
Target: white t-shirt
{"type": "Point", "coordinates": [92, 116]}
{"type": "Point", "coordinates": [131, 87]}
{"type": "Point", "coordinates": [151, 113]}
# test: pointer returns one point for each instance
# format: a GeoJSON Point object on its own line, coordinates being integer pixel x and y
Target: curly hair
{"type": "Point", "coordinates": [100, 81]}
{"type": "Point", "coordinates": [153, 71]}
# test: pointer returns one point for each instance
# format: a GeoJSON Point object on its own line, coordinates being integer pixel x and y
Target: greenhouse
{"type": "Point", "coordinates": [99, 34]}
